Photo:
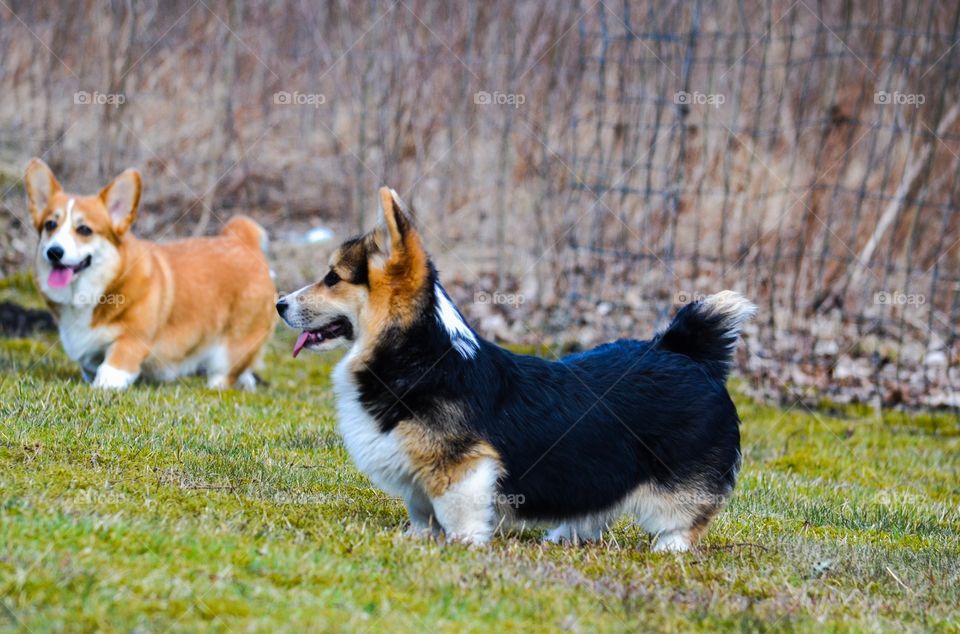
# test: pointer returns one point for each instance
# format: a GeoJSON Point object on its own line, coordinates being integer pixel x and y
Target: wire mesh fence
{"type": "Point", "coordinates": [803, 154]}
{"type": "Point", "coordinates": [579, 170]}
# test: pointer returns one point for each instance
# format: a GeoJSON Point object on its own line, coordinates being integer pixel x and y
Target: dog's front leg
{"type": "Point", "coordinates": [88, 374]}
{"type": "Point", "coordinates": [466, 508]}
{"type": "Point", "coordinates": [121, 367]}
{"type": "Point", "coordinates": [422, 520]}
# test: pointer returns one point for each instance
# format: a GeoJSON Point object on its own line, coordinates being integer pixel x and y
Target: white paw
{"type": "Point", "coordinates": [111, 378]}
{"type": "Point", "coordinates": [559, 535]}
{"type": "Point", "coordinates": [571, 534]}
{"type": "Point", "coordinates": [672, 543]}
{"type": "Point", "coordinates": [246, 381]}
{"type": "Point", "coordinates": [218, 382]}
{"type": "Point", "coordinates": [470, 539]}
{"type": "Point", "coordinates": [420, 532]}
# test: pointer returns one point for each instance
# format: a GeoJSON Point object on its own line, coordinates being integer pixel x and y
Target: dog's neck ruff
{"type": "Point", "coordinates": [461, 336]}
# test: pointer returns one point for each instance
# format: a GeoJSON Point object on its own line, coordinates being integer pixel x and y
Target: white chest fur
{"type": "Point", "coordinates": [379, 456]}
{"type": "Point", "coordinates": [77, 301]}
{"type": "Point", "coordinates": [81, 341]}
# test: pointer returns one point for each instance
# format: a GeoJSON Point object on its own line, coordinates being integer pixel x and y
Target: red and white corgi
{"type": "Point", "coordinates": [127, 307]}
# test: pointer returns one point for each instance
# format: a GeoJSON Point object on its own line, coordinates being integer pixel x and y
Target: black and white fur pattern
{"type": "Point", "coordinates": [644, 429]}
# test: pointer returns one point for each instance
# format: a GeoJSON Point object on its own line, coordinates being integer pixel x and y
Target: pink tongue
{"type": "Point", "coordinates": [301, 342]}
{"type": "Point", "coordinates": [59, 278]}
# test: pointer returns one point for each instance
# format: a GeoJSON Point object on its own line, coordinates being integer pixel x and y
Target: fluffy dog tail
{"type": "Point", "coordinates": [707, 330]}
{"type": "Point", "coordinates": [246, 230]}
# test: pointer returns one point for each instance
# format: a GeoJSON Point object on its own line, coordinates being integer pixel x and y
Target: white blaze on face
{"type": "Point", "coordinates": [449, 317]}
{"type": "Point", "coordinates": [64, 238]}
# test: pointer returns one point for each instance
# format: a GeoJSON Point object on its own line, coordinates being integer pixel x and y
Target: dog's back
{"type": "Point", "coordinates": [220, 297]}
{"type": "Point", "coordinates": [635, 411]}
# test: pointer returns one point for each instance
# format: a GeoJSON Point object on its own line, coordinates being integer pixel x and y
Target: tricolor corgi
{"type": "Point", "coordinates": [473, 437]}
{"type": "Point", "coordinates": [127, 307]}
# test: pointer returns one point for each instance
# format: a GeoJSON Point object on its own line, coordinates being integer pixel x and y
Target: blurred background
{"type": "Point", "coordinates": [579, 170]}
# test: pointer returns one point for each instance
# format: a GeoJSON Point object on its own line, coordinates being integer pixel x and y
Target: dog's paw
{"type": "Point", "coordinates": [560, 535]}
{"type": "Point", "coordinates": [423, 528]}
{"type": "Point", "coordinates": [571, 535]}
{"type": "Point", "coordinates": [111, 378]}
{"type": "Point", "coordinates": [88, 374]}
{"type": "Point", "coordinates": [420, 532]}
{"type": "Point", "coordinates": [673, 542]}
{"type": "Point", "coordinates": [247, 381]}
{"type": "Point", "coordinates": [218, 382]}
{"type": "Point", "coordinates": [470, 540]}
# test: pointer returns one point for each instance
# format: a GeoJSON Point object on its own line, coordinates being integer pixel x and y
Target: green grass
{"type": "Point", "coordinates": [172, 507]}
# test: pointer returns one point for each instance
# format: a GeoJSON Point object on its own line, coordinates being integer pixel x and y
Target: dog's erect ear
{"type": "Point", "coordinates": [397, 254]}
{"type": "Point", "coordinates": [393, 223]}
{"type": "Point", "coordinates": [40, 184]}
{"type": "Point", "coordinates": [122, 197]}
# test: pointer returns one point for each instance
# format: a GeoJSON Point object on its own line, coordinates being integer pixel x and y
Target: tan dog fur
{"type": "Point", "coordinates": [162, 310]}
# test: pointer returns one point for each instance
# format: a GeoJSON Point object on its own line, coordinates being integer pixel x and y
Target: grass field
{"type": "Point", "coordinates": [175, 508]}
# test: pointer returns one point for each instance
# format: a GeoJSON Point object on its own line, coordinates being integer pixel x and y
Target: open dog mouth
{"type": "Point", "coordinates": [339, 327]}
{"type": "Point", "coordinates": [61, 274]}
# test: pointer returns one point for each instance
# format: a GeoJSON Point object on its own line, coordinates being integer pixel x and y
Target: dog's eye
{"type": "Point", "coordinates": [50, 225]}
{"type": "Point", "coordinates": [84, 230]}
{"type": "Point", "coordinates": [331, 278]}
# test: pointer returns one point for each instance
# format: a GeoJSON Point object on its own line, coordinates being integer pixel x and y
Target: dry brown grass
{"type": "Point", "coordinates": [598, 200]}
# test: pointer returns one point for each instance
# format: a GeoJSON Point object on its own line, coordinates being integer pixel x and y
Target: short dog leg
{"type": "Point", "coordinates": [559, 535]}
{"type": "Point", "coordinates": [88, 374]}
{"type": "Point", "coordinates": [122, 364]}
{"type": "Point", "coordinates": [466, 508]}
{"type": "Point", "coordinates": [422, 520]}
{"type": "Point", "coordinates": [678, 541]}
{"type": "Point", "coordinates": [247, 381]}
{"type": "Point", "coordinates": [218, 382]}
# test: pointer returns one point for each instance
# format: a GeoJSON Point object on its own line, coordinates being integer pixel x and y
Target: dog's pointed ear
{"type": "Point", "coordinates": [40, 184]}
{"type": "Point", "coordinates": [394, 226]}
{"type": "Point", "coordinates": [122, 198]}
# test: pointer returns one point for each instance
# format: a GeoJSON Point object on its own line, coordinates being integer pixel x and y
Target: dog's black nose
{"type": "Point", "coordinates": [282, 306]}
{"type": "Point", "coordinates": [55, 253]}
